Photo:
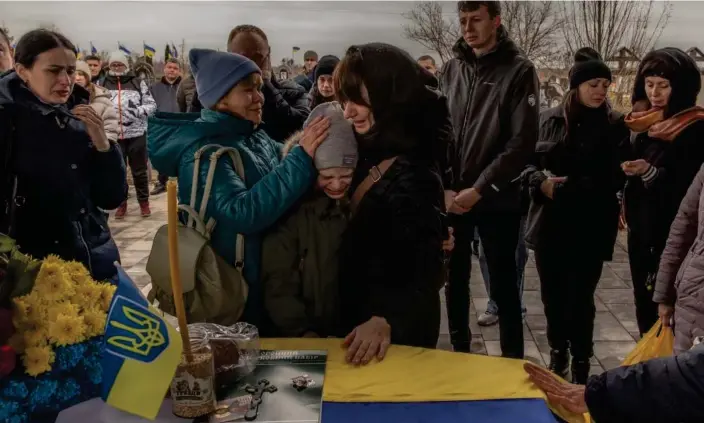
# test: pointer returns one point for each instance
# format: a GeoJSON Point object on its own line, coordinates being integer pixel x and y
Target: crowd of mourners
{"type": "Point", "coordinates": [363, 184]}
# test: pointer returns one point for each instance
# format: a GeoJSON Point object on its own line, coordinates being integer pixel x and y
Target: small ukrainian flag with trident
{"type": "Point", "coordinates": [142, 352]}
{"type": "Point", "coordinates": [149, 51]}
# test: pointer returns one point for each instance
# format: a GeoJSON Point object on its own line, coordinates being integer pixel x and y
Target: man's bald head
{"type": "Point", "coordinates": [251, 42]}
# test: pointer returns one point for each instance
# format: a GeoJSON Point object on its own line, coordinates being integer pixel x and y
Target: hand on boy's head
{"type": "Point", "coordinates": [314, 134]}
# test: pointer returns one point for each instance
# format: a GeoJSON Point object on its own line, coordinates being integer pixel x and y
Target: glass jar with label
{"type": "Point", "coordinates": [192, 389]}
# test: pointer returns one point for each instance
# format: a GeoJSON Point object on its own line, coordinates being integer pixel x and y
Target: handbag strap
{"type": "Point", "coordinates": [375, 175]}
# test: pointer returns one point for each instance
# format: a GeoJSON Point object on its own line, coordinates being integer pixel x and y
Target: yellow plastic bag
{"type": "Point", "coordinates": [658, 342]}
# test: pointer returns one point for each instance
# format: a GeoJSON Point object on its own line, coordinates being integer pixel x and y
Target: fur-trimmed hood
{"type": "Point", "coordinates": [291, 142]}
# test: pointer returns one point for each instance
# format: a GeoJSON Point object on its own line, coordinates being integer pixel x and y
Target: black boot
{"type": "Point", "coordinates": [580, 371]}
{"type": "Point", "coordinates": [559, 362]}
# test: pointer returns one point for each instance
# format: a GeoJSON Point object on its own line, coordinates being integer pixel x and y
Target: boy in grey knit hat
{"type": "Point", "coordinates": [299, 257]}
{"type": "Point", "coordinates": [336, 158]}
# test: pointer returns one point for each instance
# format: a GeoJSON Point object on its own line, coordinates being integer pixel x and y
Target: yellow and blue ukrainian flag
{"type": "Point", "coordinates": [417, 385]}
{"type": "Point", "coordinates": [149, 51]}
{"type": "Point", "coordinates": [142, 352]}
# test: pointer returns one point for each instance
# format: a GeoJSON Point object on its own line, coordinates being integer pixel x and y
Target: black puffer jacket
{"type": "Point", "coordinates": [391, 253]}
{"type": "Point", "coordinates": [651, 207]}
{"type": "Point", "coordinates": [664, 390]}
{"type": "Point", "coordinates": [494, 104]}
{"type": "Point", "coordinates": [61, 179]}
{"type": "Point", "coordinates": [583, 213]}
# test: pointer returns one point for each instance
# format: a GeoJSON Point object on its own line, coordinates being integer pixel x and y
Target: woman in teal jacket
{"type": "Point", "coordinates": [229, 87]}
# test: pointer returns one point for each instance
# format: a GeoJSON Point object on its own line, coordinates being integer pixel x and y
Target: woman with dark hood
{"type": "Point", "coordinates": [572, 221]}
{"type": "Point", "coordinates": [663, 156]}
{"type": "Point", "coordinates": [391, 257]}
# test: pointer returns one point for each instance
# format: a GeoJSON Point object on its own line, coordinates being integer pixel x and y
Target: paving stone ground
{"type": "Point", "coordinates": [615, 329]}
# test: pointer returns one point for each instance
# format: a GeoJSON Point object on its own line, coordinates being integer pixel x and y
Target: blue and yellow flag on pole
{"type": "Point", "coordinates": [149, 51]}
{"type": "Point", "coordinates": [142, 352]}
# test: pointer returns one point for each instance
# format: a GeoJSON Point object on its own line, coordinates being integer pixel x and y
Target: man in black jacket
{"type": "Point", "coordinates": [285, 102]}
{"type": "Point", "coordinates": [492, 91]}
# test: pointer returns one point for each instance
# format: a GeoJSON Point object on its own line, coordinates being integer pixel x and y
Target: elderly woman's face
{"type": "Point", "coordinates": [245, 100]}
{"type": "Point", "coordinates": [658, 90]}
{"type": "Point", "coordinates": [360, 115]}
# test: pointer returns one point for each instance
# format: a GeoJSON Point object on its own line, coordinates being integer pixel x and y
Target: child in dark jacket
{"type": "Point", "coordinates": [300, 256]}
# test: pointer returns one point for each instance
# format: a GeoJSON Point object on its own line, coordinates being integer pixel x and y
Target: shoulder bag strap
{"type": "Point", "coordinates": [239, 168]}
{"type": "Point", "coordinates": [375, 175]}
{"type": "Point", "coordinates": [194, 184]}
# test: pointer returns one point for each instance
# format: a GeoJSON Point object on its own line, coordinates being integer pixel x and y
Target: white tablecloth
{"type": "Point", "coordinates": [96, 411]}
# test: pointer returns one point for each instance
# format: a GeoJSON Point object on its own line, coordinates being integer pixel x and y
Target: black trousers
{"type": "Point", "coordinates": [499, 234]}
{"type": "Point", "coordinates": [568, 280]}
{"type": "Point", "coordinates": [644, 262]}
{"type": "Point", "coordinates": [134, 151]}
{"type": "Point", "coordinates": [163, 179]}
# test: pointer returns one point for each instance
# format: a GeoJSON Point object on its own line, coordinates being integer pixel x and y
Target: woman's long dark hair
{"type": "Point", "coordinates": [38, 41]}
{"type": "Point", "coordinates": [408, 115]}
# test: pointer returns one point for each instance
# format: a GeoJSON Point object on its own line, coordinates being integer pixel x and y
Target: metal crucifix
{"type": "Point", "coordinates": [257, 392]}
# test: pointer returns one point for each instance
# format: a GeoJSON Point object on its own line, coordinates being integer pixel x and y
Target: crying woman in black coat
{"type": "Point", "coordinates": [391, 257]}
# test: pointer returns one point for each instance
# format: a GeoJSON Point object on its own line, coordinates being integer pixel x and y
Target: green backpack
{"type": "Point", "coordinates": [213, 290]}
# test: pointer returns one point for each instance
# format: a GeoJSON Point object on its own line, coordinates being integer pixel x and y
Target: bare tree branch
{"type": "Point", "coordinates": [429, 28]}
{"type": "Point", "coordinates": [609, 26]}
{"type": "Point", "coordinates": [534, 26]}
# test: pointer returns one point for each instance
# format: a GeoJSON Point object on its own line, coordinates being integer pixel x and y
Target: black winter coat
{"type": "Point", "coordinates": [651, 207]}
{"type": "Point", "coordinates": [664, 390]}
{"type": "Point", "coordinates": [391, 254]}
{"type": "Point", "coordinates": [61, 180]}
{"type": "Point", "coordinates": [584, 210]}
{"type": "Point", "coordinates": [493, 100]}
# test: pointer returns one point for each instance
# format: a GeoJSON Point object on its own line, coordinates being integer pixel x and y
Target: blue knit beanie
{"type": "Point", "coordinates": [217, 72]}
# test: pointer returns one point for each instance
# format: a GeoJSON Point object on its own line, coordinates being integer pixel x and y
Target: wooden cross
{"type": "Point", "coordinates": [257, 392]}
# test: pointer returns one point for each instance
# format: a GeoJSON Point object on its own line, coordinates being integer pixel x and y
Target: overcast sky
{"type": "Point", "coordinates": [326, 27]}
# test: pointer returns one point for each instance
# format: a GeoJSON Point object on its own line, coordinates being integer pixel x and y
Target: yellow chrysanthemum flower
{"type": "Point", "coordinates": [95, 322]}
{"type": "Point", "coordinates": [26, 311]}
{"type": "Point", "coordinates": [77, 272]}
{"type": "Point", "coordinates": [106, 293]}
{"type": "Point", "coordinates": [35, 337]}
{"type": "Point", "coordinates": [37, 360]}
{"type": "Point", "coordinates": [87, 295]}
{"type": "Point", "coordinates": [53, 259]}
{"type": "Point", "coordinates": [67, 330]}
{"type": "Point", "coordinates": [16, 341]}
{"type": "Point", "coordinates": [52, 282]}
{"type": "Point", "coordinates": [65, 308]}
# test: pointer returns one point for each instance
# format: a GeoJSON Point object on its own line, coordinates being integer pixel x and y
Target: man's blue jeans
{"type": "Point", "coordinates": [521, 260]}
